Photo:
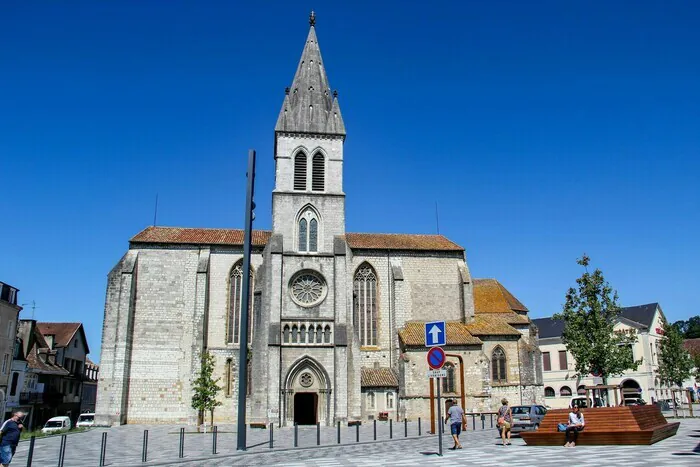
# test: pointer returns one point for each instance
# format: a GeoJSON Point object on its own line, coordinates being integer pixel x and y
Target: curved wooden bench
{"type": "Point", "coordinates": [606, 425]}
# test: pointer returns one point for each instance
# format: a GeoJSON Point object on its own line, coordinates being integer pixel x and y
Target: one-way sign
{"type": "Point", "coordinates": [435, 333]}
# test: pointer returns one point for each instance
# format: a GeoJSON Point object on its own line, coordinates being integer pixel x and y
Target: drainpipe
{"type": "Point", "coordinates": [520, 370]}
{"type": "Point", "coordinates": [461, 384]}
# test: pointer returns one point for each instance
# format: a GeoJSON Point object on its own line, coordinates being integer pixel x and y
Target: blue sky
{"type": "Point", "coordinates": [541, 129]}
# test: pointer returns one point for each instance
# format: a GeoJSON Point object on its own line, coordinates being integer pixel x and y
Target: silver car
{"type": "Point", "coordinates": [527, 417]}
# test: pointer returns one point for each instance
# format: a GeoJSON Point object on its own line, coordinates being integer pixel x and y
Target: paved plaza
{"type": "Point", "coordinates": [481, 447]}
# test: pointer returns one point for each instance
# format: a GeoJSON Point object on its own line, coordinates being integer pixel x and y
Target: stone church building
{"type": "Point", "coordinates": [337, 318]}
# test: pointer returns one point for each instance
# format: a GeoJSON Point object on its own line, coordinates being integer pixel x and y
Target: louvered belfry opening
{"type": "Point", "coordinates": [300, 172]}
{"type": "Point", "coordinates": [318, 173]}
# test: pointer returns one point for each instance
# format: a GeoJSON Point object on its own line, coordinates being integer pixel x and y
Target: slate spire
{"type": "Point", "coordinates": [309, 104]}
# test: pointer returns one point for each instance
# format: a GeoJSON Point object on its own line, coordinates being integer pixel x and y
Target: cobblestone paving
{"type": "Point", "coordinates": [481, 448]}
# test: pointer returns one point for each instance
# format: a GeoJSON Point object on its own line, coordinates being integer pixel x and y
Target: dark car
{"type": "Point", "coordinates": [527, 417]}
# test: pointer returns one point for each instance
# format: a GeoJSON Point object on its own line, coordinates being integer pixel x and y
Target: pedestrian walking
{"type": "Point", "coordinates": [505, 419]}
{"type": "Point", "coordinates": [10, 431]}
{"type": "Point", "coordinates": [455, 415]}
{"type": "Point", "coordinates": [576, 424]}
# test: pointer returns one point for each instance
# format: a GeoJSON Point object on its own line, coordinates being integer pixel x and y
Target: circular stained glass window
{"type": "Point", "coordinates": [307, 288]}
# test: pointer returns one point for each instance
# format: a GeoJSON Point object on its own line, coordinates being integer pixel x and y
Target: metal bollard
{"type": "Point", "coordinates": [391, 428]}
{"type": "Point", "coordinates": [181, 452]}
{"type": "Point", "coordinates": [483, 421]}
{"type": "Point", "coordinates": [419, 433]}
{"type": "Point", "coordinates": [272, 437]}
{"type": "Point", "coordinates": [338, 432]}
{"type": "Point", "coordinates": [144, 450]}
{"type": "Point", "coordinates": [357, 433]}
{"type": "Point", "coordinates": [296, 435]}
{"type": "Point", "coordinates": [214, 435]}
{"type": "Point", "coordinates": [30, 454]}
{"type": "Point", "coordinates": [62, 451]}
{"type": "Point", "coordinates": [103, 449]}
{"type": "Point", "coordinates": [318, 433]}
{"type": "Point", "coordinates": [473, 422]}
{"type": "Point", "coordinates": [491, 417]}
{"type": "Point", "coordinates": [405, 428]}
{"type": "Point", "coordinates": [375, 430]}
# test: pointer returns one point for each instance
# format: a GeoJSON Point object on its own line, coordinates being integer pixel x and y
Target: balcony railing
{"type": "Point", "coordinates": [307, 332]}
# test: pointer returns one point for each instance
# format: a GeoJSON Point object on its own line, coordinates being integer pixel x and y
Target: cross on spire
{"type": "Point", "coordinates": [312, 18]}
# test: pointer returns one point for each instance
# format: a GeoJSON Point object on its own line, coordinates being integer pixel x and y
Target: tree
{"type": "Point", "coordinates": [675, 364]}
{"type": "Point", "coordinates": [589, 316]}
{"type": "Point", "coordinates": [689, 329]}
{"type": "Point", "coordinates": [206, 388]}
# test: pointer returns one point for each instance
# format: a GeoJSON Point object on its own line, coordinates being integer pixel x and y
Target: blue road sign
{"type": "Point", "coordinates": [435, 334]}
{"type": "Point", "coordinates": [436, 358]}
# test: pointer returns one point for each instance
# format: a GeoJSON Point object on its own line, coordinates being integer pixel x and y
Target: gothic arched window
{"type": "Point", "coordinates": [313, 235]}
{"type": "Point", "coordinates": [308, 227]}
{"type": "Point", "coordinates": [300, 172]}
{"type": "Point", "coordinates": [365, 296]}
{"type": "Point", "coordinates": [233, 328]}
{"type": "Point", "coordinates": [303, 235]}
{"type": "Point", "coordinates": [318, 169]}
{"type": "Point", "coordinates": [498, 365]}
{"type": "Point", "coordinates": [448, 383]}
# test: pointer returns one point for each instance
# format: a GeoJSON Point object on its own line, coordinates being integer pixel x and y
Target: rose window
{"type": "Point", "coordinates": [308, 288]}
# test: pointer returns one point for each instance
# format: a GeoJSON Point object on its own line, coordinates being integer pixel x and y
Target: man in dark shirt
{"type": "Point", "coordinates": [10, 437]}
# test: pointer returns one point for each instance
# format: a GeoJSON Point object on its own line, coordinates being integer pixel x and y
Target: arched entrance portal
{"type": "Point", "coordinates": [307, 394]}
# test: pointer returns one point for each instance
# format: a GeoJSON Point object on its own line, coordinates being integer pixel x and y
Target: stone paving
{"type": "Point", "coordinates": [481, 447]}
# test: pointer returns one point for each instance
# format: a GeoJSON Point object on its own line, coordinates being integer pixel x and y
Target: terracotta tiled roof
{"type": "Point", "coordinates": [378, 377]}
{"type": "Point", "coordinates": [35, 362]}
{"type": "Point", "coordinates": [491, 297]}
{"type": "Point", "coordinates": [692, 346]}
{"type": "Point", "coordinates": [511, 318]}
{"type": "Point", "coordinates": [63, 331]}
{"type": "Point", "coordinates": [370, 241]}
{"type": "Point", "coordinates": [196, 236]}
{"type": "Point", "coordinates": [491, 325]}
{"type": "Point", "coordinates": [413, 333]}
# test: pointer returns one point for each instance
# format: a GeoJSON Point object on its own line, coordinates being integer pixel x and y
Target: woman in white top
{"type": "Point", "coordinates": [576, 424]}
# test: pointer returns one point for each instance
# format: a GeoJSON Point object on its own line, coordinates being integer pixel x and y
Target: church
{"type": "Point", "coordinates": [336, 330]}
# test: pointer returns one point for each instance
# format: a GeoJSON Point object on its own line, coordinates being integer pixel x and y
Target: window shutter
{"type": "Point", "coordinates": [318, 173]}
{"type": "Point", "coordinates": [300, 172]}
{"type": "Point", "coordinates": [546, 362]}
{"type": "Point", "coordinates": [562, 360]}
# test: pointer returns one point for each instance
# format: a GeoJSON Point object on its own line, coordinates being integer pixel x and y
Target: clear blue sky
{"type": "Point", "coordinates": [542, 129]}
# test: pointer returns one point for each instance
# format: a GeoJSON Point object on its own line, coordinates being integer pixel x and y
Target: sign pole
{"type": "Point", "coordinates": [245, 300]}
{"type": "Point", "coordinates": [439, 411]}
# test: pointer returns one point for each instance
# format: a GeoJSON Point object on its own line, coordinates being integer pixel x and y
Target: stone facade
{"type": "Point", "coordinates": [325, 343]}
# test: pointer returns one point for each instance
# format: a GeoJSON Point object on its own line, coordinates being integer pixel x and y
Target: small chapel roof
{"type": "Point", "coordinates": [309, 105]}
{"type": "Point", "coordinates": [378, 378]}
{"type": "Point", "coordinates": [372, 241]}
{"type": "Point", "coordinates": [198, 236]}
{"type": "Point", "coordinates": [413, 333]}
{"type": "Point", "coordinates": [491, 297]}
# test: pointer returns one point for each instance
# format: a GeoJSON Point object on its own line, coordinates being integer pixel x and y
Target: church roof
{"type": "Point", "coordinates": [491, 297]}
{"type": "Point", "coordinates": [371, 241]}
{"type": "Point", "coordinates": [378, 377]}
{"type": "Point", "coordinates": [309, 105]}
{"type": "Point", "coordinates": [491, 325]}
{"type": "Point", "coordinates": [198, 236]}
{"type": "Point", "coordinates": [413, 333]}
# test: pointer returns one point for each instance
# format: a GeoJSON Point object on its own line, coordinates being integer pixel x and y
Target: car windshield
{"type": "Point", "coordinates": [86, 418]}
{"type": "Point", "coordinates": [521, 410]}
{"type": "Point", "coordinates": [54, 424]}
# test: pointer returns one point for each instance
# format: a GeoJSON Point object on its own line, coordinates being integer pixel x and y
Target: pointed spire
{"type": "Point", "coordinates": [309, 106]}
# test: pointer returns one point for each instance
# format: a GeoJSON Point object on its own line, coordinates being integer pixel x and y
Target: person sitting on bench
{"type": "Point", "coordinates": [576, 424]}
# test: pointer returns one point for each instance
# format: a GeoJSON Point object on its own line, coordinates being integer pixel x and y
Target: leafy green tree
{"type": "Point", "coordinates": [206, 388]}
{"type": "Point", "coordinates": [675, 364]}
{"type": "Point", "coordinates": [689, 329]}
{"type": "Point", "coordinates": [589, 314]}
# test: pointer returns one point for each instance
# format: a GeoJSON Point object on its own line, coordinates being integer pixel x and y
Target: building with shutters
{"type": "Point", "coordinates": [336, 317]}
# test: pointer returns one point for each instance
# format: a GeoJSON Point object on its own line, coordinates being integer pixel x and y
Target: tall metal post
{"type": "Point", "coordinates": [439, 414]}
{"type": "Point", "coordinates": [245, 300]}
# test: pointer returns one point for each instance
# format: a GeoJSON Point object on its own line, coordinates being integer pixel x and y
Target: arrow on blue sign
{"type": "Point", "coordinates": [435, 333]}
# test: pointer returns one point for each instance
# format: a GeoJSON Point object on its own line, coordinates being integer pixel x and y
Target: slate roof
{"type": "Point", "coordinates": [371, 241]}
{"type": "Point", "coordinates": [198, 236]}
{"type": "Point", "coordinates": [491, 325]}
{"type": "Point", "coordinates": [642, 314]}
{"type": "Point", "coordinates": [491, 297]}
{"type": "Point", "coordinates": [692, 346]}
{"type": "Point", "coordinates": [413, 334]}
{"type": "Point", "coordinates": [63, 332]}
{"type": "Point", "coordinates": [309, 104]}
{"type": "Point", "coordinates": [378, 377]}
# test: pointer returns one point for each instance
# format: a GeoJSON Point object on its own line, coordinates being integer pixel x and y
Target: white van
{"type": "Point", "coordinates": [86, 420]}
{"type": "Point", "coordinates": [56, 424]}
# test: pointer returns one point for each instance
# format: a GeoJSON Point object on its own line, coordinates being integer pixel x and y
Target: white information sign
{"type": "Point", "coordinates": [437, 373]}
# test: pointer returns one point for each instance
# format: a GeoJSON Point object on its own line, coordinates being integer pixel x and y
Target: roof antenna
{"type": "Point", "coordinates": [437, 218]}
{"type": "Point", "coordinates": [34, 307]}
{"type": "Point", "coordinates": [155, 212]}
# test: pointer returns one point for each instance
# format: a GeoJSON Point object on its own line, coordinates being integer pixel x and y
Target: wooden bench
{"type": "Point", "coordinates": [642, 424]}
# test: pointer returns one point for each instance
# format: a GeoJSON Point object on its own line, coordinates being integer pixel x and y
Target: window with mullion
{"type": "Point", "coordinates": [233, 331]}
{"type": "Point", "coordinates": [366, 305]}
{"type": "Point", "coordinates": [498, 365]}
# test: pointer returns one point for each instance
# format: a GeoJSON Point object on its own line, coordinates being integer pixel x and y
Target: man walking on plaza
{"type": "Point", "coordinates": [10, 431]}
{"type": "Point", "coordinates": [455, 415]}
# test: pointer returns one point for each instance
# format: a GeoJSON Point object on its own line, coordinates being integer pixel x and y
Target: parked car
{"type": "Point", "coordinates": [86, 420]}
{"type": "Point", "coordinates": [584, 402]}
{"type": "Point", "coordinates": [526, 417]}
{"type": "Point", "coordinates": [635, 401]}
{"type": "Point", "coordinates": [56, 424]}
